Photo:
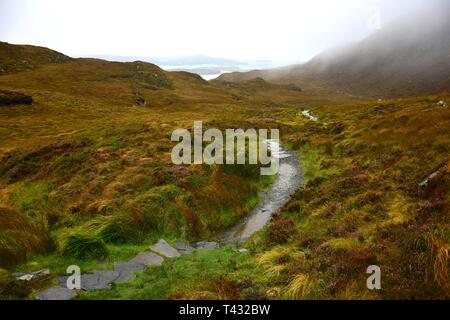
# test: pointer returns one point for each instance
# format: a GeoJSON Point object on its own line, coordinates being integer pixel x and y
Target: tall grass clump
{"type": "Point", "coordinates": [300, 287]}
{"type": "Point", "coordinates": [434, 257]}
{"type": "Point", "coordinates": [20, 237]}
{"type": "Point", "coordinates": [154, 212]}
{"type": "Point", "coordinates": [81, 244]}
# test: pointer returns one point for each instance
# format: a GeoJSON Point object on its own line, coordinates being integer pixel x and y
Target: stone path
{"type": "Point", "coordinates": [56, 293]}
{"type": "Point", "coordinates": [122, 271]}
{"type": "Point", "coordinates": [165, 249]}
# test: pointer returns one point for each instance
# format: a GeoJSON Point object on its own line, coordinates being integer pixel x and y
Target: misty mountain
{"type": "Point", "coordinates": [408, 57]}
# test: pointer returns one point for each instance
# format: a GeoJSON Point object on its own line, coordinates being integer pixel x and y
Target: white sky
{"type": "Point", "coordinates": [277, 30]}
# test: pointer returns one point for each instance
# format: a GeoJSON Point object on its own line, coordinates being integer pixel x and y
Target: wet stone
{"type": "Point", "coordinates": [31, 275]}
{"type": "Point", "coordinates": [183, 247]}
{"type": "Point", "coordinates": [148, 259]}
{"type": "Point", "coordinates": [56, 293]}
{"type": "Point", "coordinates": [165, 249]}
{"type": "Point", "coordinates": [203, 245]}
{"type": "Point", "coordinates": [126, 270]}
{"type": "Point", "coordinates": [98, 280]}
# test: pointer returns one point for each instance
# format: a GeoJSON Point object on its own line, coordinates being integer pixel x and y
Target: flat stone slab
{"type": "Point", "coordinates": [165, 249]}
{"type": "Point", "coordinates": [126, 270]}
{"type": "Point", "coordinates": [204, 245]}
{"type": "Point", "coordinates": [183, 247]}
{"type": "Point", "coordinates": [98, 280]}
{"type": "Point", "coordinates": [148, 259]}
{"type": "Point", "coordinates": [56, 293]}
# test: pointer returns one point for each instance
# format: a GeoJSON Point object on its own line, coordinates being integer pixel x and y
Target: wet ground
{"type": "Point", "coordinates": [289, 180]}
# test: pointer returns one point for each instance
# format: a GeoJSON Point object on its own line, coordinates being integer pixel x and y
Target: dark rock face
{"type": "Point", "coordinates": [8, 98]}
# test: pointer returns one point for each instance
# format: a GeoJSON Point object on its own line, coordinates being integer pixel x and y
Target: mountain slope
{"type": "Point", "coordinates": [409, 57]}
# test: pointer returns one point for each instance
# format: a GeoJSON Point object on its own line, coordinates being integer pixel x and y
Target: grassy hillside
{"type": "Point", "coordinates": [363, 205]}
{"type": "Point", "coordinates": [86, 178]}
{"type": "Point", "coordinates": [85, 167]}
{"type": "Point", "coordinates": [17, 58]}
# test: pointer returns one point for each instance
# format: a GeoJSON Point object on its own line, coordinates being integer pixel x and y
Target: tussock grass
{"type": "Point", "coordinates": [435, 257]}
{"type": "Point", "coordinates": [81, 244]}
{"type": "Point", "coordinates": [20, 237]}
{"type": "Point", "coordinates": [300, 287]}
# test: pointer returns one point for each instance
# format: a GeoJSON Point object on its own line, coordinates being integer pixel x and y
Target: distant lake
{"type": "Point", "coordinates": [207, 67]}
{"type": "Point", "coordinates": [212, 71]}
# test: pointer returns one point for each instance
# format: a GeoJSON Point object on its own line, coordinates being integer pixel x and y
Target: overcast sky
{"type": "Point", "coordinates": [277, 30]}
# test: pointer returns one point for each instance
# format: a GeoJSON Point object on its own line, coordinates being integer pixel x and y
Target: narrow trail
{"type": "Point", "coordinates": [288, 180]}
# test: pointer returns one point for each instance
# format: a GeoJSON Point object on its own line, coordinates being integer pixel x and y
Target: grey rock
{"type": "Point", "coordinates": [31, 275]}
{"type": "Point", "coordinates": [183, 247]}
{"type": "Point", "coordinates": [442, 104]}
{"type": "Point", "coordinates": [428, 180]}
{"type": "Point", "coordinates": [165, 249]}
{"type": "Point", "coordinates": [204, 245]}
{"type": "Point", "coordinates": [56, 293]}
{"type": "Point", "coordinates": [126, 270]}
{"type": "Point", "coordinates": [98, 280]}
{"type": "Point", "coordinates": [148, 259]}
